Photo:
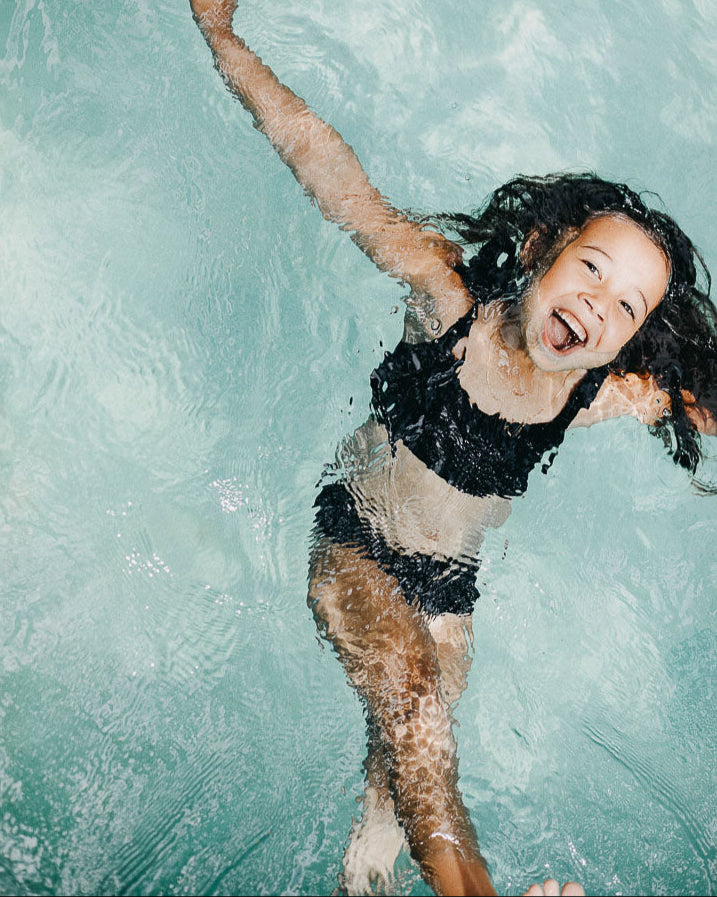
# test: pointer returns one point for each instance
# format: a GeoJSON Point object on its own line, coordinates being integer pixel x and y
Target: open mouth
{"type": "Point", "coordinates": [563, 331]}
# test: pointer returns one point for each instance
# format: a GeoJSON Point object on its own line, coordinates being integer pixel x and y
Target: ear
{"type": "Point", "coordinates": [537, 253]}
{"type": "Point", "coordinates": [532, 247]}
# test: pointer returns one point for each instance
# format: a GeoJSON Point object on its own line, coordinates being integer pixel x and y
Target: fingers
{"type": "Point", "coordinates": [550, 888]}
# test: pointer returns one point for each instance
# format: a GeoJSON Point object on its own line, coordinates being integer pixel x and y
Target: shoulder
{"type": "Point", "coordinates": [439, 298]}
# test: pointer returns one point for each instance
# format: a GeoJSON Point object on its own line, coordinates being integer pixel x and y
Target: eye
{"type": "Point", "coordinates": [592, 268]}
{"type": "Point", "coordinates": [627, 308]}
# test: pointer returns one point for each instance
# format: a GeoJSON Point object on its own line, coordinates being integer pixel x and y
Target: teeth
{"type": "Point", "coordinates": [572, 323]}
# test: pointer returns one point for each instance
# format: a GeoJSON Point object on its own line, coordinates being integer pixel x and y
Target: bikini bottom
{"type": "Point", "coordinates": [436, 586]}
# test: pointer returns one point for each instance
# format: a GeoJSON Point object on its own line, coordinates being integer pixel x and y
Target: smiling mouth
{"type": "Point", "coordinates": [563, 331]}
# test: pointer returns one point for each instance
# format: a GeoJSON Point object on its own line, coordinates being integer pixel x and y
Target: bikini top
{"type": "Point", "coordinates": [418, 397]}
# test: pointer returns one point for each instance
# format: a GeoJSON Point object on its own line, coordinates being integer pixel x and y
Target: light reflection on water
{"type": "Point", "coordinates": [181, 336]}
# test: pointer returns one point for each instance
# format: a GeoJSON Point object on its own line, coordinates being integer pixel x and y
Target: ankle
{"type": "Point", "coordinates": [451, 872]}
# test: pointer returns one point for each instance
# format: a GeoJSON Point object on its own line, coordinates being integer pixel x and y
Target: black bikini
{"type": "Point", "coordinates": [418, 397]}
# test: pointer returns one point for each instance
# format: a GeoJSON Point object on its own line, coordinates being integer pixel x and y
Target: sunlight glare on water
{"type": "Point", "coordinates": [183, 344]}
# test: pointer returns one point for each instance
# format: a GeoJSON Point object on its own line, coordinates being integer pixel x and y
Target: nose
{"type": "Point", "coordinates": [594, 304]}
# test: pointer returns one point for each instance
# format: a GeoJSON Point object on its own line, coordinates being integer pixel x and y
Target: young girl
{"type": "Point", "coordinates": [574, 303]}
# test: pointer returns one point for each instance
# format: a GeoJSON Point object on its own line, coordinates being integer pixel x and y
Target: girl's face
{"type": "Point", "coordinates": [594, 297]}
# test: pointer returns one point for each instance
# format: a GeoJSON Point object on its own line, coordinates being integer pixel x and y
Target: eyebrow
{"type": "Point", "coordinates": [607, 255]}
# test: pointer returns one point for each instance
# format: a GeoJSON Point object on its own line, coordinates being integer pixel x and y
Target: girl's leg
{"type": "Point", "coordinates": [376, 839]}
{"type": "Point", "coordinates": [392, 659]}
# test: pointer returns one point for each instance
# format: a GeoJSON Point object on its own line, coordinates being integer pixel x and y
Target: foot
{"type": "Point", "coordinates": [374, 845]}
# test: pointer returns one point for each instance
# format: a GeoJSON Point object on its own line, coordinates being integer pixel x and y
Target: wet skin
{"type": "Point", "coordinates": [602, 287]}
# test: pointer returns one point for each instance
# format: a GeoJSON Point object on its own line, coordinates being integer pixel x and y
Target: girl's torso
{"type": "Point", "coordinates": [460, 422]}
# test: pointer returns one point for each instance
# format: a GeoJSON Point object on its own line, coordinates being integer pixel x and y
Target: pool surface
{"type": "Point", "coordinates": [184, 341]}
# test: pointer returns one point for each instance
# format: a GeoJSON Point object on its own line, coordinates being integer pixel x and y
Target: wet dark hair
{"type": "Point", "coordinates": [677, 344]}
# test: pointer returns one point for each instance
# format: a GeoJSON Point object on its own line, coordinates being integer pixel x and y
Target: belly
{"type": "Point", "coordinates": [413, 508]}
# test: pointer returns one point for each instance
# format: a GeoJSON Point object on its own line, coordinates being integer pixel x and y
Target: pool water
{"type": "Point", "coordinates": [184, 342]}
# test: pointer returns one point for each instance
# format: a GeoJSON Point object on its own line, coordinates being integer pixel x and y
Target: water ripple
{"type": "Point", "coordinates": [661, 785]}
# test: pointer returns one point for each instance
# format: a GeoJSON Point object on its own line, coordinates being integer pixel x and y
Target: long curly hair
{"type": "Point", "coordinates": [677, 344]}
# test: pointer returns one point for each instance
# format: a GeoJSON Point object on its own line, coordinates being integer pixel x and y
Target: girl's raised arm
{"type": "Point", "coordinates": [328, 169]}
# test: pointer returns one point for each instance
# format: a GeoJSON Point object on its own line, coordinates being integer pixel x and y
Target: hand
{"type": "Point", "coordinates": [550, 888]}
{"type": "Point", "coordinates": [704, 420]}
{"type": "Point", "coordinates": [214, 14]}
{"type": "Point", "coordinates": [640, 396]}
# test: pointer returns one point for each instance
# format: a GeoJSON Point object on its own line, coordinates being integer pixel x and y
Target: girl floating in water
{"type": "Point", "coordinates": [572, 302]}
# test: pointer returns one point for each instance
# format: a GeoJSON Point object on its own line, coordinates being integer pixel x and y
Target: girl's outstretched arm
{"type": "Point", "coordinates": [634, 395]}
{"type": "Point", "coordinates": [328, 169]}
{"type": "Point", "coordinates": [639, 396]}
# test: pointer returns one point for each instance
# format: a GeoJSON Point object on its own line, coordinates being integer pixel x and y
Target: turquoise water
{"type": "Point", "coordinates": [183, 343]}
